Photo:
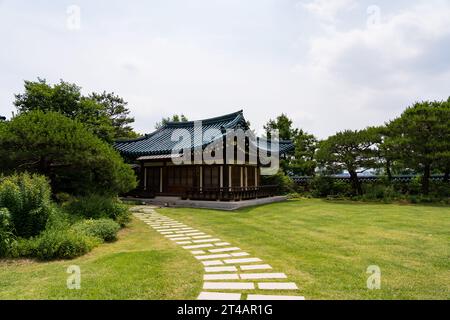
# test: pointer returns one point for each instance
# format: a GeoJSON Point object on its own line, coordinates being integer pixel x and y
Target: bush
{"type": "Point", "coordinates": [104, 229]}
{"type": "Point", "coordinates": [285, 183]}
{"type": "Point", "coordinates": [6, 236]}
{"type": "Point", "coordinates": [379, 191]}
{"type": "Point", "coordinates": [76, 160]}
{"type": "Point", "coordinates": [27, 198]}
{"type": "Point", "coordinates": [58, 244]}
{"type": "Point", "coordinates": [98, 207]}
{"type": "Point", "coordinates": [322, 186]}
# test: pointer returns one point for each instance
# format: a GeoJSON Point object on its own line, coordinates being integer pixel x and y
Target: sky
{"type": "Point", "coordinates": [330, 65]}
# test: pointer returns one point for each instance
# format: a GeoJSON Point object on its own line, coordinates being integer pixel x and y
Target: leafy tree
{"type": "Point", "coordinates": [116, 109]}
{"type": "Point", "coordinates": [74, 159]}
{"type": "Point", "coordinates": [105, 114]}
{"type": "Point", "coordinates": [421, 138]}
{"type": "Point", "coordinates": [284, 125]}
{"type": "Point", "coordinates": [175, 118]}
{"type": "Point", "coordinates": [353, 151]}
{"type": "Point", "coordinates": [303, 162]}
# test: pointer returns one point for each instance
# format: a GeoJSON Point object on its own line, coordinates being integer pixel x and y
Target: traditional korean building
{"type": "Point", "coordinates": [157, 158]}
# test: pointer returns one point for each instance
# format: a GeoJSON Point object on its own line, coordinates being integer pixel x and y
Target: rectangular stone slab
{"type": "Point", "coordinates": [254, 276]}
{"type": "Point", "coordinates": [206, 240]}
{"type": "Point", "coordinates": [219, 296]}
{"type": "Point", "coordinates": [228, 286]}
{"type": "Point", "coordinates": [223, 250]}
{"type": "Point", "coordinates": [221, 269]}
{"type": "Point", "coordinates": [198, 246]}
{"type": "Point", "coordinates": [240, 254]}
{"type": "Point", "coordinates": [256, 267]}
{"type": "Point", "coordinates": [212, 256]}
{"type": "Point", "coordinates": [184, 242]}
{"type": "Point", "coordinates": [197, 252]}
{"type": "Point", "coordinates": [212, 263]}
{"type": "Point", "coordinates": [209, 277]}
{"type": "Point", "coordinates": [183, 238]}
{"type": "Point", "coordinates": [261, 297]}
{"type": "Point", "coordinates": [277, 286]}
{"type": "Point", "coordinates": [238, 261]}
{"type": "Point", "coordinates": [222, 244]}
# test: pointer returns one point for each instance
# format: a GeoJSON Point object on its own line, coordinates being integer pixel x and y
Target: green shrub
{"type": "Point", "coordinates": [27, 198]}
{"type": "Point", "coordinates": [59, 244]}
{"type": "Point", "coordinates": [322, 186]}
{"type": "Point", "coordinates": [98, 207]}
{"type": "Point", "coordinates": [285, 183]}
{"type": "Point", "coordinates": [104, 229]}
{"type": "Point", "coordinates": [6, 236]}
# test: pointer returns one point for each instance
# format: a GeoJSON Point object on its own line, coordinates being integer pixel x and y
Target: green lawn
{"type": "Point", "coordinates": [325, 247]}
{"type": "Point", "coordinates": [141, 265]}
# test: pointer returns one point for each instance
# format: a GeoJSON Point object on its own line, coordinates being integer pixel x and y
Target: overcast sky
{"type": "Point", "coordinates": [330, 65]}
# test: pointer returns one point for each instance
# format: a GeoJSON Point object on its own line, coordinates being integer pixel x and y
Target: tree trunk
{"type": "Point", "coordinates": [388, 170]}
{"type": "Point", "coordinates": [426, 180]}
{"type": "Point", "coordinates": [356, 185]}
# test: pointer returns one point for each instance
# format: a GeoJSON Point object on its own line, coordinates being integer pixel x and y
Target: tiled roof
{"type": "Point", "coordinates": [160, 142]}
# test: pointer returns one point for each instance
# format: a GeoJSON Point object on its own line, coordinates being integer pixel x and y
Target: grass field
{"type": "Point", "coordinates": [141, 265]}
{"type": "Point", "coordinates": [325, 247]}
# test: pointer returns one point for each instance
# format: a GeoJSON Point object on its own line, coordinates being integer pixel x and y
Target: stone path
{"type": "Point", "coordinates": [230, 273]}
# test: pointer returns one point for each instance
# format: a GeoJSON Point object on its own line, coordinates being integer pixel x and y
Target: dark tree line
{"type": "Point", "coordinates": [417, 142]}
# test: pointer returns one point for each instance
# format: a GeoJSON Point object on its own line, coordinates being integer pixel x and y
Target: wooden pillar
{"type": "Point", "coordinates": [201, 178]}
{"type": "Point", "coordinates": [221, 177]}
{"type": "Point", "coordinates": [242, 177]}
{"type": "Point", "coordinates": [161, 180]}
{"type": "Point", "coordinates": [246, 177]}
{"type": "Point", "coordinates": [230, 177]}
{"type": "Point", "coordinates": [145, 178]}
{"type": "Point", "coordinates": [256, 177]}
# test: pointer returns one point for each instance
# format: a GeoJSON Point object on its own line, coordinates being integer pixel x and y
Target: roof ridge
{"type": "Point", "coordinates": [214, 119]}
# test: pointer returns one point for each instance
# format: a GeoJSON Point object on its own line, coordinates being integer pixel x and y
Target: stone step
{"type": "Point", "coordinates": [198, 252]}
{"type": "Point", "coordinates": [182, 238]}
{"type": "Point", "coordinates": [199, 246]}
{"type": "Point", "coordinates": [213, 263]}
{"type": "Point", "coordinates": [240, 254]}
{"type": "Point", "coordinates": [219, 296]}
{"type": "Point", "coordinates": [277, 286]}
{"type": "Point", "coordinates": [221, 269]}
{"type": "Point", "coordinates": [254, 276]}
{"type": "Point", "coordinates": [230, 276]}
{"type": "Point", "coordinates": [242, 261]}
{"type": "Point", "coordinates": [213, 256]}
{"type": "Point", "coordinates": [206, 240]}
{"type": "Point", "coordinates": [256, 267]}
{"type": "Point", "coordinates": [224, 250]}
{"type": "Point", "coordinates": [272, 298]}
{"type": "Point", "coordinates": [222, 244]}
{"type": "Point", "coordinates": [228, 286]}
{"type": "Point", "coordinates": [201, 237]}
{"type": "Point", "coordinates": [183, 242]}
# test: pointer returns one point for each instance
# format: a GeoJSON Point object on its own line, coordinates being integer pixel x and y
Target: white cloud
{"type": "Point", "coordinates": [327, 10]}
{"type": "Point", "coordinates": [206, 58]}
{"type": "Point", "coordinates": [366, 76]}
